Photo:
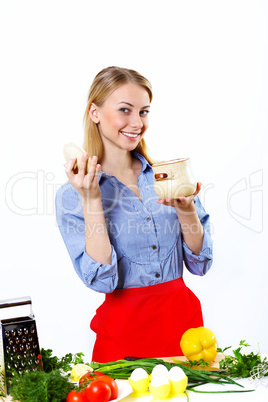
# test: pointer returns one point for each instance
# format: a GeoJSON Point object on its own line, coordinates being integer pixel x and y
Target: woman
{"type": "Point", "coordinates": [122, 240]}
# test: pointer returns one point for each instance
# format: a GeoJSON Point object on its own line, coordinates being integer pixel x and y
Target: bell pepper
{"type": "Point", "coordinates": [199, 343]}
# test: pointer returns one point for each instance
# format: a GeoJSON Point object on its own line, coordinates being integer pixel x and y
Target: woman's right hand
{"type": "Point", "coordinates": [86, 183]}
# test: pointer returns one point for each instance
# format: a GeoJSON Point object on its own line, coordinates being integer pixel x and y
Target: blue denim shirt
{"type": "Point", "coordinates": [146, 238]}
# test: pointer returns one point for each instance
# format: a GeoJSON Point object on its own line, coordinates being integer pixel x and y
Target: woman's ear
{"type": "Point", "coordinates": [93, 113]}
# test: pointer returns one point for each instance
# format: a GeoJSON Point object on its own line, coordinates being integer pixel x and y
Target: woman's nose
{"type": "Point", "coordinates": [136, 121]}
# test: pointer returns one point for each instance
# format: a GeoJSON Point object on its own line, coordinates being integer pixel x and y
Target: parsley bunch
{"type": "Point", "coordinates": [64, 363]}
{"type": "Point", "coordinates": [240, 365]}
{"type": "Point", "coordinates": [200, 362]}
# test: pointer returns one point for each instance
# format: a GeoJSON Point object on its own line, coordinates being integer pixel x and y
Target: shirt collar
{"type": "Point", "coordinates": [144, 161]}
{"type": "Point", "coordinates": [145, 165]}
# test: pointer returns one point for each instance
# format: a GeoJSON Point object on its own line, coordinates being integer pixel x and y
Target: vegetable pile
{"type": "Point", "coordinates": [52, 382]}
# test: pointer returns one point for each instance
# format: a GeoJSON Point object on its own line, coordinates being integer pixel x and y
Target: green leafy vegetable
{"type": "Point", "coordinates": [40, 386]}
{"type": "Point", "coordinates": [51, 384]}
{"type": "Point", "coordinates": [240, 365]}
{"type": "Point", "coordinates": [64, 363]}
{"type": "Point", "coordinates": [191, 363]}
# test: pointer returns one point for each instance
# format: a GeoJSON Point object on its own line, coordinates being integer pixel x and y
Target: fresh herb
{"type": "Point", "coordinates": [40, 386]}
{"type": "Point", "coordinates": [64, 363]}
{"type": "Point", "coordinates": [49, 384]}
{"type": "Point", "coordinates": [191, 363]}
{"type": "Point", "coordinates": [240, 365]}
{"type": "Point", "coordinates": [219, 392]}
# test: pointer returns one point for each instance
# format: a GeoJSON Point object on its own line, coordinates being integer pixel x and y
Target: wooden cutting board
{"type": "Point", "coordinates": [213, 366]}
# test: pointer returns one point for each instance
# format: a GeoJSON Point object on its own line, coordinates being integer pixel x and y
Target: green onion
{"type": "Point", "coordinates": [122, 369]}
{"type": "Point", "coordinates": [219, 392]}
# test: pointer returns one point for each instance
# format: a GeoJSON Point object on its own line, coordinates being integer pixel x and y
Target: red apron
{"type": "Point", "coordinates": [145, 322]}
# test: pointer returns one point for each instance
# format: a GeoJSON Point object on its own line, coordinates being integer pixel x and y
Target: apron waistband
{"type": "Point", "coordinates": [169, 286]}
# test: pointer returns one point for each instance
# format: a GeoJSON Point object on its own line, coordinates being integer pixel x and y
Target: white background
{"type": "Point", "coordinates": [208, 63]}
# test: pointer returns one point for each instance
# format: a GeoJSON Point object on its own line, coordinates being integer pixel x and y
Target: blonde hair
{"type": "Point", "coordinates": [105, 82]}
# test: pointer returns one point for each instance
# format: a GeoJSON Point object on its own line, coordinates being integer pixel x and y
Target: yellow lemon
{"type": "Point", "coordinates": [79, 370]}
{"type": "Point", "coordinates": [160, 387]}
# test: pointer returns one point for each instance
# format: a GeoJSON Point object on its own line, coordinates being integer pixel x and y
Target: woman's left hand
{"type": "Point", "coordinates": [181, 203]}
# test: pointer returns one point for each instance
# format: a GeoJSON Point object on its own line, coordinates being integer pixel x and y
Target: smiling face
{"type": "Point", "coordinates": [123, 117]}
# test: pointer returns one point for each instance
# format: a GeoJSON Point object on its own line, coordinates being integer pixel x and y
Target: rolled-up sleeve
{"type": "Point", "coordinates": [100, 277]}
{"type": "Point", "coordinates": [70, 219]}
{"type": "Point", "coordinates": [201, 263]}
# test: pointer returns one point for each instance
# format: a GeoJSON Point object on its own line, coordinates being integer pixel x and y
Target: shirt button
{"type": "Point", "coordinates": [148, 218]}
{"type": "Point", "coordinates": [154, 247]}
{"type": "Point", "coordinates": [157, 275]}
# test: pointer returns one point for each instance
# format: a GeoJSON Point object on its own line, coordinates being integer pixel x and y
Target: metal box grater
{"type": "Point", "coordinates": [19, 346]}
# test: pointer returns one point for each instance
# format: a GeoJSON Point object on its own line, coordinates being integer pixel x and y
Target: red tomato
{"type": "Point", "coordinates": [89, 377]}
{"type": "Point", "coordinates": [74, 396]}
{"type": "Point", "coordinates": [98, 391]}
{"type": "Point", "coordinates": [83, 394]}
{"type": "Point", "coordinates": [112, 384]}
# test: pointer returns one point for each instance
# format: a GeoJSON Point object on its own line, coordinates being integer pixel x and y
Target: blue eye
{"type": "Point", "coordinates": [124, 110]}
{"type": "Point", "coordinates": [144, 112]}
